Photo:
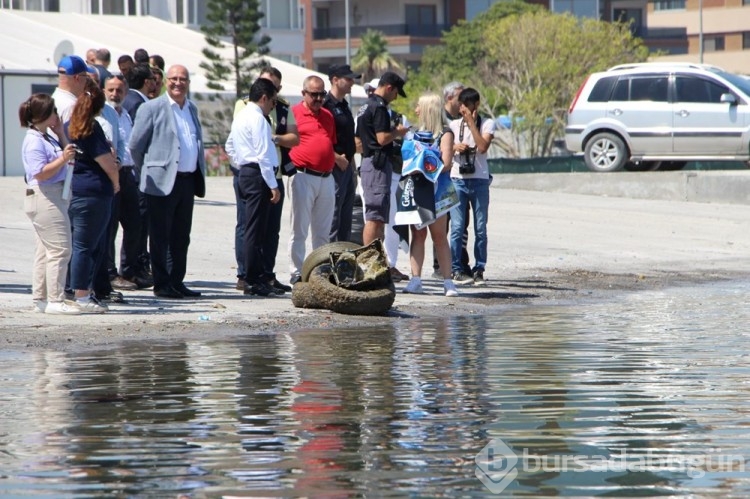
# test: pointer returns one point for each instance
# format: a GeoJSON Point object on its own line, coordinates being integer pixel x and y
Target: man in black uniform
{"type": "Point", "coordinates": [375, 131]}
{"type": "Point", "coordinates": [342, 78]}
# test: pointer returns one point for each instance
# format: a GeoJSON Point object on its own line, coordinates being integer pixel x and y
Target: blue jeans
{"type": "Point", "coordinates": [474, 192]}
{"type": "Point", "coordinates": [89, 221]}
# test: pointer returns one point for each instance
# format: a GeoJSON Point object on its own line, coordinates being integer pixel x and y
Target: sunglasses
{"type": "Point", "coordinates": [316, 95]}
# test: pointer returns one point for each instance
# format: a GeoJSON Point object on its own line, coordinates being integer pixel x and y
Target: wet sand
{"type": "Point", "coordinates": [544, 248]}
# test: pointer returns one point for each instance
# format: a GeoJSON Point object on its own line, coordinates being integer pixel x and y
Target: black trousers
{"type": "Point", "coordinates": [170, 221]}
{"type": "Point", "coordinates": [257, 198]}
{"type": "Point", "coordinates": [346, 189]}
{"type": "Point", "coordinates": [271, 240]}
{"type": "Point", "coordinates": [125, 212]}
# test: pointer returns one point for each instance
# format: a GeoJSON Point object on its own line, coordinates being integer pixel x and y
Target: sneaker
{"type": "Point", "coordinates": [397, 275]}
{"type": "Point", "coordinates": [295, 279]}
{"type": "Point", "coordinates": [259, 289]}
{"type": "Point", "coordinates": [479, 278]}
{"type": "Point", "coordinates": [240, 284]}
{"type": "Point", "coordinates": [92, 306]}
{"type": "Point", "coordinates": [461, 278]}
{"type": "Point", "coordinates": [450, 288]}
{"type": "Point", "coordinates": [62, 308]}
{"type": "Point", "coordinates": [40, 306]}
{"type": "Point", "coordinates": [414, 286]}
{"type": "Point", "coordinates": [119, 282]}
{"type": "Point", "coordinates": [112, 296]}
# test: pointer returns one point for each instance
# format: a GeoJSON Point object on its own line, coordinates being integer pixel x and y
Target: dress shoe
{"type": "Point", "coordinates": [168, 292]}
{"type": "Point", "coordinates": [279, 288]}
{"type": "Point", "coordinates": [119, 282]}
{"type": "Point", "coordinates": [112, 297]}
{"type": "Point", "coordinates": [259, 289]}
{"type": "Point", "coordinates": [240, 284]}
{"type": "Point", "coordinates": [143, 280]}
{"type": "Point", "coordinates": [185, 291]}
{"type": "Point", "coordinates": [397, 275]}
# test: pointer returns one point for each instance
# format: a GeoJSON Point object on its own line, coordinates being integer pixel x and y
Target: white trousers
{"type": "Point", "coordinates": [48, 213]}
{"type": "Point", "coordinates": [313, 202]}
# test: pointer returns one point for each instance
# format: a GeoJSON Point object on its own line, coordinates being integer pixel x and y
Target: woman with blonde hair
{"type": "Point", "coordinates": [44, 159]}
{"type": "Point", "coordinates": [95, 182]}
{"type": "Point", "coordinates": [430, 119]}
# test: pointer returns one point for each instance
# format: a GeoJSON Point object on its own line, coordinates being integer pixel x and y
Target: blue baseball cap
{"type": "Point", "coordinates": [72, 65]}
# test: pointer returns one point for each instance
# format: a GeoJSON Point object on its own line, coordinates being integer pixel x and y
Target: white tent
{"type": "Point", "coordinates": [33, 42]}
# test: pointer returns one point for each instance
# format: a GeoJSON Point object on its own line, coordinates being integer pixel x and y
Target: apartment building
{"type": "Point", "coordinates": [283, 20]}
{"type": "Point", "coordinates": [410, 27]}
{"type": "Point", "coordinates": [724, 26]}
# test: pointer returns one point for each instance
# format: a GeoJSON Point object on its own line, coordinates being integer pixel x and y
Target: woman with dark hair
{"type": "Point", "coordinates": [44, 160]}
{"type": "Point", "coordinates": [95, 182]}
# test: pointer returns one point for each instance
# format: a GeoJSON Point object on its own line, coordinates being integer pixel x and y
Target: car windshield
{"type": "Point", "coordinates": [741, 82]}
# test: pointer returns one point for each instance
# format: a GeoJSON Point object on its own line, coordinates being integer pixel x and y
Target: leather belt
{"type": "Point", "coordinates": [185, 174]}
{"type": "Point", "coordinates": [314, 173]}
{"type": "Point", "coordinates": [253, 165]}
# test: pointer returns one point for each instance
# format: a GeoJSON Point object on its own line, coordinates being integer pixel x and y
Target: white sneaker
{"type": "Point", "coordinates": [92, 306]}
{"type": "Point", "coordinates": [450, 288]}
{"type": "Point", "coordinates": [414, 286]}
{"type": "Point", "coordinates": [39, 306]}
{"type": "Point", "coordinates": [62, 308]}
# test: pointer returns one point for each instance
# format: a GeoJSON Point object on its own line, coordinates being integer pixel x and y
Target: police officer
{"type": "Point", "coordinates": [342, 78]}
{"type": "Point", "coordinates": [377, 135]}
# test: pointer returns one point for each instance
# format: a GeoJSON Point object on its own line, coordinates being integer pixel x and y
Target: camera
{"type": "Point", "coordinates": [466, 167]}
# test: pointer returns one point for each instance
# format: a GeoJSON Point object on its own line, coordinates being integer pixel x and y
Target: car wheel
{"type": "Point", "coordinates": [606, 152]}
{"type": "Point", "coordinates": [667, 166]}
{"type": "Point", "coordinates": [323, 255]}
{"type": "Point", "coordinates": [642, 166]}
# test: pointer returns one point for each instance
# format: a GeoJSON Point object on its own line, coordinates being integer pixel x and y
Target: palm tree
{"type": "Point", "coordinates": [373, 57]}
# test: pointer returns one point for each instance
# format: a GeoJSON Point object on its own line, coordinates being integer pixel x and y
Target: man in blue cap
{"type": "Point", "coordinates": [72, 72]}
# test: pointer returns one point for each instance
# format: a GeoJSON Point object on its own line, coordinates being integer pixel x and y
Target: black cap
{"type": "Point", "coordinates": [391, 78]}
{"type": "Point", "coordinates": [343, 71]}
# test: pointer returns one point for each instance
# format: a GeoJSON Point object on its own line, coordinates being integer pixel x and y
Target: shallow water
{"type": "Point", "coordinates": [649, 392]}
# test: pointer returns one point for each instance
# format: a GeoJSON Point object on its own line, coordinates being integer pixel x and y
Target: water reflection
{"type": "Point", "coordinates": [399, 411]}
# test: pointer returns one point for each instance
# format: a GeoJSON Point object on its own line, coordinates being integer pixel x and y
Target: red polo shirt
{"type": "Point", "coordinates": [317, 134]}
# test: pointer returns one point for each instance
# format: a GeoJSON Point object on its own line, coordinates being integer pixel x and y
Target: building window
{"type": "Point", "coordinates": [578, 8]}
{"type": "Point", "coordinates": [713, 44]}
{"type": "Point", "coordinates": [669, 4]}
{"type": "Point", "coordinates": [746, 40]}
{"type": "Point", "coordinates": [322, 18]}
{"type": "Point", "coordinates": [420, 14]}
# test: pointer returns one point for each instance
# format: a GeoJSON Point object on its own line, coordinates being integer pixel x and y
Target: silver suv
{"type": "Point", "coordinates": [652, 116]}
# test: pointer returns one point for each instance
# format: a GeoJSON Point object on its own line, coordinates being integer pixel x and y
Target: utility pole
{"type": "Point", "coordinates": [347, 35]}
{"type": "Point", "coordinates": [700, 30]}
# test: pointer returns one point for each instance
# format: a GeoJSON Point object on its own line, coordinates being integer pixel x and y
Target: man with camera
{"type": "Point", "coordinates": [471, 177]}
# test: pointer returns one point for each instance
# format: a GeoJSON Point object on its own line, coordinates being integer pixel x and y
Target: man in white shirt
{"type": "Point", "coordinates": [251, 148]}
{"type": "Point", "coordinates": [72, 73]}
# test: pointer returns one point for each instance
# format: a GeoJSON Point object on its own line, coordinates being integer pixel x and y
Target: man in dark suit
{"type": "Point", "coordinates": [167, 147]}
{"type": "Point", "coordinates": [141, 81]}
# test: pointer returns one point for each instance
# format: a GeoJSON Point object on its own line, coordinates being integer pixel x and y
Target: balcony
{"type": "Point", "coordinates": [660, 33]}
{"type": "Point", "coordinates": [420, 30]}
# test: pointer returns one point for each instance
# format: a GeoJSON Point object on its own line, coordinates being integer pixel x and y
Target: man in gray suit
{"type": "Point", "coordinates": [167, 148]}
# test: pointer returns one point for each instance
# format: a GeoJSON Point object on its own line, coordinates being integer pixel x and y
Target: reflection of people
{"type": "Point", "coordinates": [376, 135]}
{"type": "Point", "coordinates": [95, 182]}
{"type": "Point", "coordinates": [167, 148]}
{"type": "Point", "coordinates": [471, 177]}
{"type": "Point", "coordinates": [251, 147]}
{"type": "Point", "coordinates": [44, 160]}
{"type": "Point", "coordinates": [430, 120]}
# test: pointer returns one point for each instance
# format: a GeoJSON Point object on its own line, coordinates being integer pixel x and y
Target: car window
{"type": "Point", "coordinates": [694, 89]}
{"type": "Point", "coordinates": [641, 88]}
{"type": "Point", "coordinates": [602, 89]}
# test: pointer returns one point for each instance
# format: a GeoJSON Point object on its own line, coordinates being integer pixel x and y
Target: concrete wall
{"type": "Point", "coordinates": [732, 187]}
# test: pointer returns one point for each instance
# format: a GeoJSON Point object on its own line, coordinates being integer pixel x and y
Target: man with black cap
{"type": "Point", "coordinates": [342, 78]}
{"type": "Point", "coordinates": [376, 134]}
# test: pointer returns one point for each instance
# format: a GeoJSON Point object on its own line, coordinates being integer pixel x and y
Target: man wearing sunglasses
{"type": "Point", "coordinates": [313, 189]}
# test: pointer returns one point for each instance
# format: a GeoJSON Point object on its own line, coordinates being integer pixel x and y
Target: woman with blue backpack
{"type": "Point", "coordinates": [431, 132]}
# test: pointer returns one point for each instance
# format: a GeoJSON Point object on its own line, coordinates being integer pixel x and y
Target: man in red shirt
{"type": "Point", "coordinates": [313, 189]}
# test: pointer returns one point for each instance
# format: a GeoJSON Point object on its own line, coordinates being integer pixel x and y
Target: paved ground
{"type": "Point", "coordinates": [544, 247]}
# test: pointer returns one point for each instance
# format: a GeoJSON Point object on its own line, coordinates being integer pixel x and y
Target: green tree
{"type": "Point", "coordinates": [236, 22]}
{"type": "Point", "coordinates": [535, 62]}
{"type": "Point", "coordinates": [372, 57]}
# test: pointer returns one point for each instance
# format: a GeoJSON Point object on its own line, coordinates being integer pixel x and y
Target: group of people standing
{"type": "Point", "coordinates": [103, 153]}
{"type": "Point", "coordinates": [137, 161]}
